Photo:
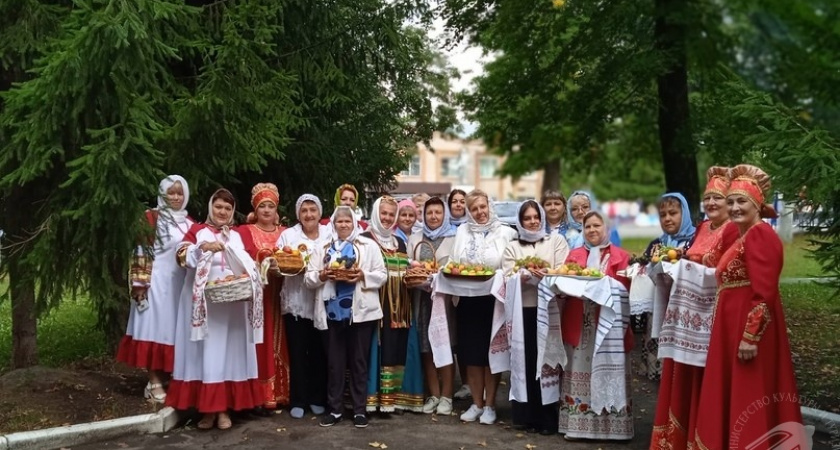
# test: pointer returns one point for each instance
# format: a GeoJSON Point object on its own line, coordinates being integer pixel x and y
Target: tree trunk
{"type": "Point", "coordinates": [551, 178]}
{"type": "Point", "coordinates": [678, 152]}
{"type": "Point", "coordinates": [24, 317]}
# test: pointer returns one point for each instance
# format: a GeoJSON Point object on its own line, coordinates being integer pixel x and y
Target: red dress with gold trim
{"type": "Point", "coordinates": [273, 353]}
{"type": "Point", "coordinates": [741, 401]}
{"type": "Point", "coordinates": [679, 388]}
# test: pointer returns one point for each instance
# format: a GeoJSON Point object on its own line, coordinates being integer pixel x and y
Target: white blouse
{"type": "Point", "coordinates": [481, 248]}
{"type": "Point", "coordinates": [295, 298]}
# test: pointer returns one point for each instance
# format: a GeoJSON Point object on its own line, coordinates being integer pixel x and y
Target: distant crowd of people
{"type": "Point", "coordinates": [222, 324]}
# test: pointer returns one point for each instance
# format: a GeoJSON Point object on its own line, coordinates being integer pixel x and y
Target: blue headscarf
{"type": "Point", "coordinates": [686, 231]}
{"type": "Point", "coordinates": [576, 240]}
{"type": "Point", "coordinates": [446, 229]}
{"type": "Point", "coordinates": [593, 206]}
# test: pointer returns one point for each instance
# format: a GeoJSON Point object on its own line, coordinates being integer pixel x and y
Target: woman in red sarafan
{"type": "Point", "coordinates": [260, 236]}
{"type": "Point", "coordinates": [749, 389]}
{"type": "Point", "coordinates": [679, 389]}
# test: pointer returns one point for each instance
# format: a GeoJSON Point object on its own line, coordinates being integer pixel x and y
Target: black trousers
{"type": "Point", "coordinates": [533, 414]}
{"type": "Point", "coordinates": [348, 348]}
{"type": "Point", "coordinates": [307, 362]}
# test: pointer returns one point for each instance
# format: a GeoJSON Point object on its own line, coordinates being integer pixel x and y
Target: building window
{"type": "Point", "coordinates": [413, 169]}
{"type": "Point", "coordinates": [487, 167]}
{"type": "Point", "coordinates": [448, 167]}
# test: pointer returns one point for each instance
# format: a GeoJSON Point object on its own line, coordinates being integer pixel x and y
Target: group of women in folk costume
{"type": "Point", "coordinates": [722, 405]}
{"type": "Point", "coordinates": [349, 311]}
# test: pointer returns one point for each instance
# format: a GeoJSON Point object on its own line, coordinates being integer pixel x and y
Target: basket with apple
{"type": "Point", "coordinates": [472, 272]}
{"type": "Point", "coordinates": [291, 261]}
{"type": "Point", "coordinates": [232, 288]}
{"type": "Point", "coordinates": [574, 270]}
{"type": "Point", "coordinates": [344, 268]}
{"type": "Point", "coordinates": [532, 264]}
{"type": "Point", "coordinates": [419, 270]}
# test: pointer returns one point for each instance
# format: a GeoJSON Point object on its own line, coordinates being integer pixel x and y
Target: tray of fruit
{"type": "Point", "coordinates": [666, 254]}
{"type": "Point", "coordinates": [532, 264]}
{"type": "Point", "coordinates": [232, 288]}
{"type": "Point", "coordinates": [467, 272]}
{"type": "Point", "coordinates": [574, 270]}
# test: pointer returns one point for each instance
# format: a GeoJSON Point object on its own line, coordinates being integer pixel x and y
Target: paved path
{"type": "Point", "coordinates": [406, 431]}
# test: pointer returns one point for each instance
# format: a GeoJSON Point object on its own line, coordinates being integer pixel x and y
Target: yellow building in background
{"type": "Point", "coordinates": [464, 164]}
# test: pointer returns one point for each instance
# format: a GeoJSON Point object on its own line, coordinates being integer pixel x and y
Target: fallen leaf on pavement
{"type": "Point", "coordinates": [281, 429]}
{"type": "Point", "coordinates": [519, 435]}
{"type": "Point", "coordinates": [377, 444]}
{"type": "Point", "coordinates": [482, 443]}
{"type": "Point", "coordinates": [529, 446]}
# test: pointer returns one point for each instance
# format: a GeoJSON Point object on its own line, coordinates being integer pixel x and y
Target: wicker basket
{"type": "Point", "coordinates": [289, 264]}
{"type": "Point", "coordinates": [344, 274]}
{"type": "Point", "coordinates": [237, 290]}
{"type": "Point", "coordinates": [417, 276]}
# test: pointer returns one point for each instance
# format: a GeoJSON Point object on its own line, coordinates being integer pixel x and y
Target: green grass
{"type": "Point", "coordinates": [635, 246]}
{"type": "Point", "coordinates": [812, 314]}
{"type": "Point", "coordinates": [67, 334]}
{"type": "Point", "coordinates": [798, 260]}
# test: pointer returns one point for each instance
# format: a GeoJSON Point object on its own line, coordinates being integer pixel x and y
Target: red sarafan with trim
{"type": "Point", "coordinates": [741, 401]}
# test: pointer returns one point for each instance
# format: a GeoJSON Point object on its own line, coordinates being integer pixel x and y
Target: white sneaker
{"type": "Point", "coordinates": [472, 414]}
{"type": "Point", "coordinates": [462, 393]}
{"type": "Point", "coordinates": [431, 405]}
{"type": "Point", "coordinates": [444, 408]}
{"type": "Point", "coordinates": [488, 417]}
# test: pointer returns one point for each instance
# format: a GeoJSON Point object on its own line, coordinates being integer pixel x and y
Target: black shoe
{"type": "Point", "coordinates": [548, 432]}
{"type": "Point", "coordinates": [360, 421]}
{"type": "Point", "coordinates": [329, 420]}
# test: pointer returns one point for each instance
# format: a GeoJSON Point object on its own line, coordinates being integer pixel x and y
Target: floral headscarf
{"type": "Point", "coordinates": [177, 216]}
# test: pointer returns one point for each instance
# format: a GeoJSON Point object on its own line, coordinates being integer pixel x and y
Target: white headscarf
{"type": "Point", "coordinates": [177, 216]}
{"type": "Point", "coordinates": [492, 220]}
{"type": "Point", "coordinates": [528, 235]}
{"type": "Point", "coordinates": [593, 261]}
{"type": "Point", "coordinates": [309, 198]}
{"type": "Point", "coordinates": [337, 242]}
{"type": "Point", "coordinates": [384, 236]}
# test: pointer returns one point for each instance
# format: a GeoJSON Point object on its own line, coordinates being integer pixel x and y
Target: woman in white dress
{"type": "Point", "coordinates": [529, 412]}
{"type": "Point", "coordinates": [215, 350]}
{"type": "Point", "coordinates": [149, 341]}
{"type": "Point", "coordinates": [307, 352]}
{"type": "Point", "coordinates": [481, 241]}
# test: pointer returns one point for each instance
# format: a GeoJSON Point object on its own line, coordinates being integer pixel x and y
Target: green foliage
{"type": "Point", "coordinates": [114, 95]}
{"type": "Point", "coordinates": [59, 339]}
